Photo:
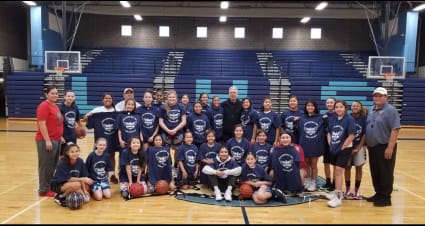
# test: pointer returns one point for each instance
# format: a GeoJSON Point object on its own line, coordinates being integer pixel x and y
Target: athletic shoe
{"type": "Point", "coordinates": [312, 186]}
{"type": "Point", "coordinates": [326, 186]}
{"type": "Point", "coordinates": [60, 199]}
{"type": "Point", "coordinates": [114, 179]}
{"type": "Point", "coordinates": [307, 183]}
{"type": "Point", "coordinates": [348, 195]}
{"type": "Point", "coordinates": [86, 198]}
{"type": "Point", "coordinates": [357, 196]}
{"type": "Point", "coordinates": [228, 195]}
{"type": "Point", "coordinates": [278, 195]}
{"type": "Point", "coordinates": [335, 202]}
{"type": "Point", "coordinates": [382, 202]}
{"type": "Point", "coordinates": [218, 196]}
{"type": "Point", "coordinates": [330, 195]}
{"type": "Point", "coordinates": [49, 193]}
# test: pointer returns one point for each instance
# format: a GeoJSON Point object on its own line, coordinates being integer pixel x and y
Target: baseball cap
{"type": "Point", "coordinates": [128, 89]}
{"type": "Point", "coordinates": [380, 90]}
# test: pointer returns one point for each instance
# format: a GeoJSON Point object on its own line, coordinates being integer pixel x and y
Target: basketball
{"type": "Point", "coordinates": [74, 200]}
{"type": "Point", "coordinates": [80, 132]}
{"type": "Point", "coordinates": [245, 191]}
{"type": "Point", "coordinates": [161, 187]}
{"type": "Point", "coordinates": [136, 190]}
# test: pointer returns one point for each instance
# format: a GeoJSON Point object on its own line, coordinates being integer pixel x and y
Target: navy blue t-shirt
{"type": "Point", "coordinates": [248, 119]}
{"type": "Point", "coordinates": [253, 174]}
{"type": "Point", "coordinates": [149, 117]}
{"type": "Point", "coordinates": [188, 154]}
{"type": "Point", "coordinates": [98, 166]}
{"type": "Point", "coordinates": [262, 153]}
{"type": "Point", "coordinates": [289, 125]}
{"type": "Point", "coordinates": [129, 123]}
{"type": "Point", "coordinates": [198, 124]}
{"type": "Point", "coordinates": [269, 122]}
{"type": "Point", "coordinates": [238, 149]}
{"type": "Point", "coordinates": [312, 135]}
{"type": "Point", "coordinates": [127, 157]}
{"type": "Point", "coordinates": [340, 129]}
{"type": "Point", "coordinates": [71, 115]}
{"type": "Point", "coordinates": [104, 124]}
{"type": "Point", "coordinates": [285, 163]}
{"type": "Point", "coordinates": [159, 164]}
{"type": "Point", "coordinates": [64, 171]}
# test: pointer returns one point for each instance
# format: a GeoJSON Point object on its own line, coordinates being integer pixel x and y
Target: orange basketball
{"type": "Point", "coordinates": [161, 187]}
{"type": "Point", "coordinates": [136, 190]}
{"type": "Point", "coordinates": [246, 191]}
{"type": "Point", "coordinates": [80, 132]}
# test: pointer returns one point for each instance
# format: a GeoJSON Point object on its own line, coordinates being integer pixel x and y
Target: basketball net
{"type": "Point", "coordinates": [389, 76]}
{"type": "Point", "coordinates": [59, 71]}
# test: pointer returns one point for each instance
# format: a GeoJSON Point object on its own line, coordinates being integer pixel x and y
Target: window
{"type": "Point", "coordinates": [164, 31]}
{"type": "Point", "coordinates": [277, 33]}
{"type": "Point", "coordinates": [239, 32]}
{"type": "Point", "coordinates": [316, 33]}
{"type": "Point", "coordinates": [201, 32]}
{"type": "Point", "coordinates": [126, 30]}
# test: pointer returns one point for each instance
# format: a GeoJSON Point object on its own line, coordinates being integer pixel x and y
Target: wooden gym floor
{"type": "Point", "coordinates": [20, 203]}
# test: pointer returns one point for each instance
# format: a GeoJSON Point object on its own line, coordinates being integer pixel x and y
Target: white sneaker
{"type": "Point", "coordinates": [312, 186]}
{"type": "Point", "coordinates": [86, 198]}
{"type": "Point", "coordinates": [218, 196]}
{"type": "Point", "coordinates": [331, 195]}
{"type": "Point", "coordinates": [228, 195]}
{"type": "Point", "coordinates": [306, 183]}
{"type": "Point", "coordinates": [335, 202]}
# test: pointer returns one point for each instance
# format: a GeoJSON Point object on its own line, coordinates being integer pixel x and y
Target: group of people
{"type": "Point", "coordinates": [221, 145]}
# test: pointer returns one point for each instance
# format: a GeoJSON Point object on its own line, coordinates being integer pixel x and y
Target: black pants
{"type": "Point", "coordinates": [382, 170]}
{"type": "Point", "coordinates": [222, 183]}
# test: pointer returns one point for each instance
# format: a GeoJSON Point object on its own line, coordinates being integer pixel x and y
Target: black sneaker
{"type": "Point", "coordinates": [60, 199]}
{"type": "Point", "coordinates": [331, 188]}
{"type": "Point", "coordinates": [326, 186]}
{"type": "Point", "coordinates": [278, 195]}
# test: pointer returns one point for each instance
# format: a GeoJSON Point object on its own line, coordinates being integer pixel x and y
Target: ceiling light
{"type": "Point", "coordinates": [223, 18]}
{"type": "Point", "coordinates": [30, 3]}
{"type": "Point", "coordinates": [321, 6]}
{"type": "Point", "coordinates": [419, 7]}
{"type": "Point", "coordinates": [224, 5]}
{"type": "Point", "coordinates": [125, 4]}
{"type": "Point", "coordinates": [305, 20]}
{"type": "Point", "coordinates": [138, 17]}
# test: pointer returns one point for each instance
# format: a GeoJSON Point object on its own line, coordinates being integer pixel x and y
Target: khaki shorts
{"type": "Point", "coordinates": [359, 158]}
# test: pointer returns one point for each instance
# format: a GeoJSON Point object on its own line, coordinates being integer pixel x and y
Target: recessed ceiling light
{"type": "Point", "coordinates": [224, 4]}
{"type": "Point", "coordinates": [138, 17]}
{"type": "Point", "coordinates": [30, 3]}
{"type": "Point", "coordinates": [125, 4]}
{"type": "Point", "coordinates": [321, 6]}
{"type": "Point", "coordinates": [305, 20]}
{"type": "Point", "coordinates": [223, 18]}
{"type": "Point", "coordinates": [419, 7]}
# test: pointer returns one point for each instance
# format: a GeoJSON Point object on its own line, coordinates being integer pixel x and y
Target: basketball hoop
{"type": "Point", "coordinates": [389, 76]}
{"type": "Point", "coordinates": [59, 70]}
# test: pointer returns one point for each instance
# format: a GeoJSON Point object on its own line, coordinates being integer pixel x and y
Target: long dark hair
{"type": "Point", "coordinates": [66, 158]}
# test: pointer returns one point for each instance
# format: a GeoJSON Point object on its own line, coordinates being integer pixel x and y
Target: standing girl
{"type": "Point", "coordinates": [341, 133]}
{"type": "Point", "coordinates": [215, 115]}
{"type": "Point", "coordinates": [290, 116]}
{"type": "Point", "coordinates": [327, 157]}
{"type": "Point", "coordinates": [48, 139]}
{"type": "Point", "coordinates": [198, 124]}
{"type": "Point", "coordinates": [102, 119]}
{"type": "Point", "coordinates": [172, 120]}
{"type": "Point", "coordinates": [358, 156]}
{"type": "Point", "coordinates": [269, 121]}
{"type": "Point", "coordinates": [312, 138]}
{"type": "Point", "coordinates": [248, 119]}
{"type": "Point", "coordinates": [149, 116]}
{"type": "Point", "coordinates": [71, 116]}
{"type": "Point", "coordinates": [129, 123]}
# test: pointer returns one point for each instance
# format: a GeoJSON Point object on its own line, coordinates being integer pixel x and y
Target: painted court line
{"type": "Point", "coordinates": [24, 210]}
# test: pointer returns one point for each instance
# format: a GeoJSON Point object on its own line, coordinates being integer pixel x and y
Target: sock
{"type": "Point", "coordinates": [229, 188]}
{"type": "Point", "coordinates": [328, 180]}
{"type": "Point", "coordinates": [347, 185]}
{"type": "Point", "coordinates": [357, 186]}
{"type": "Point", "coordinates": [216, 188]}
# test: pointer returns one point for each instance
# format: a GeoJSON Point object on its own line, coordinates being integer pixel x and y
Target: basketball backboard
{"type": "Point", "coordinates": [68, 60]}
{"type": "Point", "coordinates": [379, 66]}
